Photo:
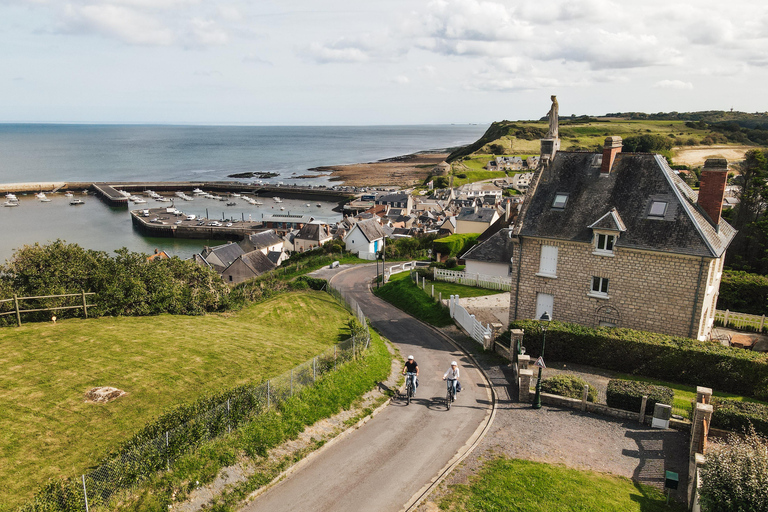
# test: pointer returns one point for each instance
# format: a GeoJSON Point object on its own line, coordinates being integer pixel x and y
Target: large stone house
{"type": "Point", "coordinates": [619, 239]}
{"type": "Point", "coordinates": [312, 236]}
{"type": "Point", "coordinates": [475, 220]}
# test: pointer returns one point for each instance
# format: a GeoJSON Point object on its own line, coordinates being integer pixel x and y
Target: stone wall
{"type": "Point", "coordinates": [647, 291]}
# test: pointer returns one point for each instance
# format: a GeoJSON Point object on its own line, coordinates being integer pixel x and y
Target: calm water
{"type": "Point", "coordinates": [42, 153]}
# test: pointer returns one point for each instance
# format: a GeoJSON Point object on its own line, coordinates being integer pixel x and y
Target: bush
{"type": "Point", "coordinates": [454, 245]}
{"type": "Point", "coordinates": [743, 292]}
{"type": "Point", "coordinates": [660, 356]}
{"type": "Point", "coordinates": [569, 386]}
{"type": "Point", "coordinates": [451, 263]}
{"type": "Point", "coordinates": [628, 395]}
{"type": "Point", "coordinates": [735, 476]}
{"type": "Point", "coordinates": [312, 282]}
{"type": "Point", "coordinates": [737, 416]}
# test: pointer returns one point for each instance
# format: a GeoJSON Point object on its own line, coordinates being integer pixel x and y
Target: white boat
{"type": "Point", "coordinates": [257, 203]}
{"type": "Point", "coordinates": [76, 201]}
{"type": "Point", "coordinates": [319, 205]}
{"type": "Point", "coordinates": [43, 198]}
{"type": "Point", "coordinates": [70, 194]}
{"type": "Point", "coordinates": [308, 204]}
{"type": "Point", "coordinates": [198, 192]}
{"type": "Point", "coordinates": [235, 194]}
{"type": "Point", "coordinates": [277, 199]}
{"type": "Point", "coordinates": [11, 197]}
{"type": "Point", "coordinates": [162, 199]}
{"type": "Point", "coordinates": [11, 203]}
{"type": "Point", "coordinates": [282, 207]}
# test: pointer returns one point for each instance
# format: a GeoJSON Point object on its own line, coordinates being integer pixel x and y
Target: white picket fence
{"type": "Point", "coordinates": [396, 269]}
{"type": "Point", "coordinates": [740, 320]}
{"type": "Point", "coordinates": [474, 279]}
{"type": "Point", "coordinates": [469, 323]}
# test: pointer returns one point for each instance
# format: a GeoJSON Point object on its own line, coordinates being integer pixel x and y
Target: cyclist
{"type": "Point", "coordinates": [452, 376]}
{"type": "Point", "coordinates": [412, 368]}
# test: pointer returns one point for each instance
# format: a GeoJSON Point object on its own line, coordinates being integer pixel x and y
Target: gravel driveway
{"type": "Point", "coordinates": [576, 439]}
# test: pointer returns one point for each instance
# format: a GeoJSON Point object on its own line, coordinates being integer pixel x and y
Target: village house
{"type": "Point", "coordinates": [312, 236]}
{"type": "Point", "coordinates": [620, 240]}
{"type": "Point", "coordinates": [475, 220]}
{"type": "Point", "coordinates": [247, 266]}
{"type": "Point", "coordinates": [396, 200]}
{"type": "Point", "coordinates": [478, 189]}
{"type": "Point", "coordinates": [521, 181]}
{"type": "Point", "coordinates": [285, 222]}
{"type": "Point", "coordinates": [491, 257]}
{"type": "Point", "coordinates": [365, 238]}
{"type": "Point", "coordinates": [268, 243]}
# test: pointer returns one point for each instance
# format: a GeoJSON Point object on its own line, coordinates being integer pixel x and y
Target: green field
{"type": "Point", "coordinates": [49, 431]}
{"type": "Point", "coordinates": [507, 485]}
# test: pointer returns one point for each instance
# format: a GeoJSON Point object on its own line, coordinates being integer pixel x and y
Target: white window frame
{"type": "Point", "coordinates": [564, 197]}
{"type": "Point", "coordinates": [604, 251]}
{"type": "Point", "coordinates": [548, 261]}
{"type": "Point", "coordinates": [602, 283]}
{"type": "Point", "coordinates": [658, 215]}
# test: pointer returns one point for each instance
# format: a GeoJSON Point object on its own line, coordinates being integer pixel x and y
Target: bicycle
{"type": "Point", "coordinates": [410, 378]}
{"type": "Point", "coordinates": [450, 394]}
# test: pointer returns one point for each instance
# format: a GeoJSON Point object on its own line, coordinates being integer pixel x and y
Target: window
{"type": "Point", "coordinates": [605, 242]}
{"type": "Point", "coordinates": [560, 200]}
{"type": "Point", "coordinates": [548, 261]}
{"type": "Point", "coordinates": [599, 285]}
{"type": "Point", "coordinates": [658, 209]}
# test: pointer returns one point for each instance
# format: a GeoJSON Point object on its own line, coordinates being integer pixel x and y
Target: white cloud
{"type": "Point", "coordinates": [340, 51]}
{"type": "Point", "coordinates": [124, 24]}
{"type": "Point", "coordinates": [673, 84]}
{"type": "Point", "coordinates": [400, 79]}
{"type": "Point", "coordinates": [207, 32]}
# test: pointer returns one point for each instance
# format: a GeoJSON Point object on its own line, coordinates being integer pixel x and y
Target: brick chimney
{"type": "Point", "coordinates": [714, 176]}
{"type": "Point", "coordinates": [611, 148]}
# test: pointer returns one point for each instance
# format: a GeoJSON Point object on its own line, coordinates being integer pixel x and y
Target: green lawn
{"type": "Point", "coordinates": [473, 176]}
{"type": "Point", "coordinates": [49, 431]}
{"type": "Point", "coordinates": [517, 485]}
{"type": "Point", "coordinates": [448, 289]}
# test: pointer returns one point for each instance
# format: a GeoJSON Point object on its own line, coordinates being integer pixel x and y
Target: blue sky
{"type": "Point", "coordinates": [298, 62]}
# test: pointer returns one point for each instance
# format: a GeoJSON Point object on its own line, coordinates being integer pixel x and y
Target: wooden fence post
{"type": "Point", "coordinates": [18, 314]}
{"type": "Point", "coordinates": [85, 306]}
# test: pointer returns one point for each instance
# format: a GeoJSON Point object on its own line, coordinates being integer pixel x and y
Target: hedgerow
{"type": "Point", "coordinates": [743, 292]}
{"type": "Point", "coordinates": [737, 416]}
{"type": "Point", "coordinates": [628, 395]}
{"type": "Point", "coordinates": [670, 358]}
{"type": "Point", "coordinates": [569, 386]}
{"type": "Point", "coordinates": [454, 245]}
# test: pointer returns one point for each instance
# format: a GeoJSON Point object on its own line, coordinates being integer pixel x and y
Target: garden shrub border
{"type": "Point", "coordinates": [660, 356]}
{"type": "Point", "coordinates": [628, 395]}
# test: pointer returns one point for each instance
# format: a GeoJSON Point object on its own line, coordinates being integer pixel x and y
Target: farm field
{"type": "Point", "coordinates": [49, 430]}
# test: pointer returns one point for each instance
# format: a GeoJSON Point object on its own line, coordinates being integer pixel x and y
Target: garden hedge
{"type": "Point", "coordinates": [737, 416]}
{"type": "Point", "coordinates": [682, 360]}
{"type": "Point", "coordinates": [569, 386]}
{"type": "Point", "coordinates": [454, 245]}
{"type": "Point", "coordinates": [628, 395]}
{"type": "Point", "coordinates": [743, 292]}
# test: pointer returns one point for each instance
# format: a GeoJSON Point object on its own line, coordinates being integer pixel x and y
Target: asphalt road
{"type": "Point", "coordinates": [386, 462]}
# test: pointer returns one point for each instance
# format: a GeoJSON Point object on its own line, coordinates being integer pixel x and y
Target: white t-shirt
{"type": "Point", "coordinates": [451, 373]}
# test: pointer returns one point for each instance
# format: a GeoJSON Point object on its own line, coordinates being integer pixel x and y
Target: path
{"type": "Point", "coordinates": [393, 457]}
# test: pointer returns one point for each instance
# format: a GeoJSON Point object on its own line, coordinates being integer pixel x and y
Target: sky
{"type": "Point", "coordinates": [340, 62]}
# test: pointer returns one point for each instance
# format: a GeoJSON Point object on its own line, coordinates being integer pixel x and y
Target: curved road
{"type": "Point", "coordinates": [384, 463]}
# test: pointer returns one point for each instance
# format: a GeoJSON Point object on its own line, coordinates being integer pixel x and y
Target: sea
{"type": "Point", "coordinates": [40, 153]}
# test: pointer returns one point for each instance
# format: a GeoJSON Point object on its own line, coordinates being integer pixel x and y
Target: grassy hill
{"type": "Point", "coordinates": [48, 430]}
{"type": "Point", "coordinates": [588, 133]}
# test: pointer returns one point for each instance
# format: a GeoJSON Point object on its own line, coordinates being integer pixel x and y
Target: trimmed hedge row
{"type": "Point", "coordinates": [743, 292]}
{"type": "Point", "coordinates": [683, 360]}
{"type": "Point", "coordinates": [737, 416]}
{"type": "Point", "coordinates": [454, 245]}
{"type": "Point", "coordinates": [569, 386]}
{"type": "Point", "coordinates": [628, 395]}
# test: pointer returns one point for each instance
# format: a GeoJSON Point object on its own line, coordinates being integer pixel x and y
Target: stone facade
{"type": "Point", "coordinates": [650, 291]}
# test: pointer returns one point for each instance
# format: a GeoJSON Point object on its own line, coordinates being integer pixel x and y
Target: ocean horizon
{"type": "Point", "coordinates": [32, 153]}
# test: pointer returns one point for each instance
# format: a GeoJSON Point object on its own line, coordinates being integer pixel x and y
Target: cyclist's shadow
{"type": "Point", "coordinates": [436, 403]}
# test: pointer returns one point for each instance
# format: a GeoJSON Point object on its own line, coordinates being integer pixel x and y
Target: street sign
{"type": "Point", "coordinates": [540, 362]}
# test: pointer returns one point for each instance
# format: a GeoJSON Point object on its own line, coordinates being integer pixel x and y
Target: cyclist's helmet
{"type": "Point", "coordinates": [454, 363]}
{"type": "Point", "coordinates": [410, 357]}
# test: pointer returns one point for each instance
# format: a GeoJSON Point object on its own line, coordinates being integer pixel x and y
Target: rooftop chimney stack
{"type": "Point", "coordinates": [714, 176]}
{"type": "Point", "coordinates": [611, 148]}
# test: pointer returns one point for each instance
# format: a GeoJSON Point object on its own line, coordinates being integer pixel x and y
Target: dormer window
{"type": "Point", "coordinates": [560, 200]}
{"type": "Point", "coordinates": [605, 242]}
{"type": "Point", "coordinates": [658, 209]}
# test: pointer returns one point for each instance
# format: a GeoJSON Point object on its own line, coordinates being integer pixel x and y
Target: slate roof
{"type": "Point", "coordinates": [314, 232]}
{"type": "Point", "coordinates": [496, 249]}
{"type": "Point", "coordinates": [263, 239]}
{"type": "Point", "coordinates": [635, 181]}
{"type": "Point", "coordinates": [257, 262]}
{"type": "Point", "coordinates": [370, 229]}
{"type": "Point", "coordinates": [226, 253]}
{"type": "Point", "coordinates": [392, 198]}
{"type": "Point", "coordinates": [274, 256]}
{"type": "Point", "coordinates": [481, 215]}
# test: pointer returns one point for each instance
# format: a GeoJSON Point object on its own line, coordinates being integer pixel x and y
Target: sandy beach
{"type": "Point", "coordinates": [403, 171]}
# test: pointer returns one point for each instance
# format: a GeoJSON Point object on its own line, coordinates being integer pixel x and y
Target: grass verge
{"type": "Point", "coordinates": [401, 292]}
{"type": "Point", "coordinates": [249, 446]}
{"type": "Point", "coordinates": [519, 485]}
{"type": "Point", "coordinates": [49, 431]}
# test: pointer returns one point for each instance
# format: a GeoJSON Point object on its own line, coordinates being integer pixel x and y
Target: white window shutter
{"type": "Point", "coordinates": [548, 261]}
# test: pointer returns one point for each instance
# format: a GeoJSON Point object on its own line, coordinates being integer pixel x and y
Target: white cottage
{"type": "Point", "coordinates": [365, 238]}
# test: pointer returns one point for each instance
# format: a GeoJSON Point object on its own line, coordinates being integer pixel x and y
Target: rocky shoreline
{"type": "Point", "coordinates": [403, 171]}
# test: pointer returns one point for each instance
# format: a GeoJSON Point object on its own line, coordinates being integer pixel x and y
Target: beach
{"type": "Point", "coordinates": [403, 171]}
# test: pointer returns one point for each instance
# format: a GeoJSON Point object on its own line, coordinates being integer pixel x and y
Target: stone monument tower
{"type": "Point", "coordinates": [551, 143]}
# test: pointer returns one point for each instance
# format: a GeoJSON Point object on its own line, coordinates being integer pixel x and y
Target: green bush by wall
{"type": "Point", "coordinates": [569, 386]}
{"type": "Point", "coordinates": [737, 416]}
{"type": "Point", "coordinates": [683, 360]}
{"type": "Point", "coordinates": [628, 395]}
{"type": "Point", "coordinates": [454, 245]}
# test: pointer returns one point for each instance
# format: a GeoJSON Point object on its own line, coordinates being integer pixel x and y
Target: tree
{"type": "Point", "coordinates": [497, 149]}
{"type": "Point", "coordinates": [748, 249]}
{"type": "Point", "coordinates": [735, 476]}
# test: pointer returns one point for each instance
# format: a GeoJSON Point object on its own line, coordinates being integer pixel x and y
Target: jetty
{"type": "Point", "coordinates": [170, 223]}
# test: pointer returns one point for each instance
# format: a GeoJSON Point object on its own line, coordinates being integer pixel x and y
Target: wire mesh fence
{"type": "Point", "coordinates": [95, 489]}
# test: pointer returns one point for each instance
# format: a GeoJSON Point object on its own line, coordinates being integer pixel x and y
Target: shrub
{"type": "Point", "coordinates": [450, 263]}
{"type": "Point", "coordinates": [743, 292]}
{"type": "Point", "coordinates": [735, 476]}
{"type": "Point", "coordinates": [454, 245]}
{"type": "Point", "coordinates": [628, 395]}
{"type": "Point", "coordinates": [569, 386]}
{"type": "Point", "coordinates": [312, 282]}
{"type": "Point", "coordinates": [737, 416]}
{"type": "Point", "coordinates": [660, 356]}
